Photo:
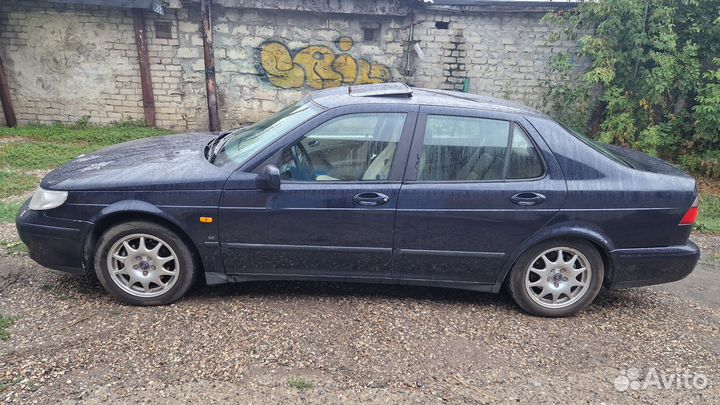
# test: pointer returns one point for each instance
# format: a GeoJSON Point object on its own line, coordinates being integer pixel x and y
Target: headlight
{"type": "Point", "coordinates": [47, 199]}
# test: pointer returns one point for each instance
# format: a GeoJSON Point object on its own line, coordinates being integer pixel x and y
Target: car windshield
{"type": "Point", "coordinates": [598, 146]}
{"type": "Point", "coordinates": [240, 145]}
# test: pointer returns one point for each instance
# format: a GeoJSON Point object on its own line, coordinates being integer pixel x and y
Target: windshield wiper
{"type": "Point", "coordinates": [215, 144]}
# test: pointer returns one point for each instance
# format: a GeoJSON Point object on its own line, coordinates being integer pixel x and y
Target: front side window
{"type": "Point", "coordinates": [354, 147]}
{"type": "Point", "coordinates": [476, 149]}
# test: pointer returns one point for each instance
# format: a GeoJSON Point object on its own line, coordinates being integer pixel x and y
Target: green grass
{"type": "Point", "coordinates": [49, 146]}
{"type": "Point", "coordinates": [14, 183]}
{"type": "Point", "coordinates": [26, 150]}
{"type": "Point", "coordinates": [88, 134]}
{"type": "Point", "coordinates": [709, 217]}
{"type": "Point", "coordinates": [13, 248]}
{"type": "Point", "coordinates": [33, 154]}
{"type": "Point", "coordinates": [5, 322]}
{"type": "Point", "coordinates": [299, 383]}
{"type": "Point", "coordinates": [8, 211]}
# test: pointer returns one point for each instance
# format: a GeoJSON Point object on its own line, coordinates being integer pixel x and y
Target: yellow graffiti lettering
{"type": "Point", "coordinates": [318, 66]}
{"type": "Point", "coordinates": [279, 66]}
{"type": "Point", "coordinates": [344, 43]}
{"type": "Point", "coordinates": [347, 67]}
{"type": "Point", "coordinates": [317, 62]}
{"type": "Point", "coordinates": [369, 73]}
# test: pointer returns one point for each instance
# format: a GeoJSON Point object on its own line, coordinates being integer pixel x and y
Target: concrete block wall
{"type": "Point", "coordinates": [244, 91]}
{"type": "Point", "coordinates": [66, 61]}
{"type": "Point", "coordinates": [502, 54]}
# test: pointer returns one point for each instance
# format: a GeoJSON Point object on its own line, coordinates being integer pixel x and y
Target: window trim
{"type": "Point", "coordinates": [397, 168]}
{"type": "Point", "coordinates": [419, 142]}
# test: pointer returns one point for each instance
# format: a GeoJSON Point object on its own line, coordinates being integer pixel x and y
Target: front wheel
{"type": "Point", "coordinates": [557, 278]}
{"type": "Point", "coordinates": [143, 263]}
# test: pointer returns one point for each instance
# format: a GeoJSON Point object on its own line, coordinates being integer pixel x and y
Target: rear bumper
{"type": "Point", "coordinates": [648, 266]}
{"type": "Point", "coordinates": [55, 243]}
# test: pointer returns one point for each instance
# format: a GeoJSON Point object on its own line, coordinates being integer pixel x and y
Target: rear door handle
{"type": "Point", "coordinates": [527, 198]}
{"type": "Point", "coordinates": [371, 198]}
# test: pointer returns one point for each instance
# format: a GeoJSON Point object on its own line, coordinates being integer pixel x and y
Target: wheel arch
{"type": "Point", "coordinates": [574, 232]}
{"type": "Point", "coordinates": [126, 211]}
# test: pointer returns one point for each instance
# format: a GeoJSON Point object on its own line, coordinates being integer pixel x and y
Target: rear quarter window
{"type": "Point", "coordinates": [525, 161]}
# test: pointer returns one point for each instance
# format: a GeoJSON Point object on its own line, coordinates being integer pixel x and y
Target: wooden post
{"type": "Point", "coordinates": [144, 62]}
{"type": "Point", "coordinates": [5, 98]}
{"type": "Point", "coordinates": [210, 83]}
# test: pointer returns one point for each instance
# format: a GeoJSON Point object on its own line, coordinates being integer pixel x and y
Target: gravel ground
{"type": "Point", "coordinates": [337, 343]}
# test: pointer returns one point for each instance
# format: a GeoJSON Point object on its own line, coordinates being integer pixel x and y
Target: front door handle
{"type": "Point", "coordinates": [527, 198]}
{"type": "Point", "coordinates": [371, 198]}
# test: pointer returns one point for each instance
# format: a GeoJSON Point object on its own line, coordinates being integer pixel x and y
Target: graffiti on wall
{"type": "Point", "coordinates": [318, 66]}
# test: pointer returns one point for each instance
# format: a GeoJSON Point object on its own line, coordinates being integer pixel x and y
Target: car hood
{"type": "Point", "coordinates": [167, 162]}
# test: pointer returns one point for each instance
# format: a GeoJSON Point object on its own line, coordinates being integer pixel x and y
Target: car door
{"type": "Point", "coordinates": [334, 213]}
{"type": "Point", "coordinates": [476, 185]}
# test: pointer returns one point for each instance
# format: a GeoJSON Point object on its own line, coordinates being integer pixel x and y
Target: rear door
{"type": "Point", "coordinates": [477, 184]}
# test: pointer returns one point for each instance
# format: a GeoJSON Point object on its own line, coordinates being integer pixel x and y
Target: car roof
{"type": "Point", "coordinates": [400, 93]}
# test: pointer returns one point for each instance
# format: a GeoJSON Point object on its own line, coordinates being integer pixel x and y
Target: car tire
{"type": "Point", "coordinates": [544, 285]}
{"type": "Point", "coordinates": [144, 263]}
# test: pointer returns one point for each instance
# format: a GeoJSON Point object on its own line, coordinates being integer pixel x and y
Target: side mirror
{"type": "Point", "coordinates": [268, 178]}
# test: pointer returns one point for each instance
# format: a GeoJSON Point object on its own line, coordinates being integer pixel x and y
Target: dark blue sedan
{"type": "Point", "coordinates": [377, 183]}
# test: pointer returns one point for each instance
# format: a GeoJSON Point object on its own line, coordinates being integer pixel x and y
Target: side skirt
{"type": "Point", "coordinates": [221, 278]}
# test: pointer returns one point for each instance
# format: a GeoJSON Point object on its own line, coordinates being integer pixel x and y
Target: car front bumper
{"type": "Point", "coordinates": [648, 266]}
{"type": "Point", "coordinates": [56, 243]}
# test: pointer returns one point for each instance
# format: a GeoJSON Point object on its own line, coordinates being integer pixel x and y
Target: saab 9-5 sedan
{"type": "Point", "coordinates": [377, 183]}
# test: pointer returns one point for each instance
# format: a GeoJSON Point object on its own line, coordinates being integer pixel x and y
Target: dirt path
{"type": "Point", "coordinates": [339, 343]}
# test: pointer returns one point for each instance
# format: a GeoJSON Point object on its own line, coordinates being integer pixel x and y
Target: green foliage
{"type": "Point", "coordinates": [13, 248]}
{"type": "Point", "coordinates": [299, 383]}
{"type": "Point", "coordinates": [48, 146]}
{"type": "Point", "coordinates": [653, 75]}
{"type": "Point", "coordinates": [5, 322]}
{"type": "Point", "coordinates": [27, 152]}
{"type": "Point", "coordinates": [40, 155]}
{"type": "Point", "coordinates": [8, 211]}
{"type": "Point", "coordinates": [15, 183]}
{"type": "Point", "coordinates": [709, 216]}
{"type": "Point", "coordinates": [705, 164]}
{"type": "Point", "coordinates": [84, 133]}
{"type": "Point", "coordinates": [707, 110]}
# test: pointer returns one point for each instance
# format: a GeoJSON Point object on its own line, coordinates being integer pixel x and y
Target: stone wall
{"type": "Point", "coordinates": [501, 54]}
{"type": "Point", "coordinates": [66, 61]}
{"type": "Point", "coordinates": [245, 90]}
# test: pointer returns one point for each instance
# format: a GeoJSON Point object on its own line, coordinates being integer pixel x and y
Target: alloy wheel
{"type": "Point", "coordinates": [558, 277]}
{"type": "Point", "coordinates": [143, 265]}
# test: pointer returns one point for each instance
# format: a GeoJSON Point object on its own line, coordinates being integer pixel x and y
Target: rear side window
{"type": "Point", "coordinates": [476, 149]}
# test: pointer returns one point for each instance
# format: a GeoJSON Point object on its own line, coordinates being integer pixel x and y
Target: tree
{"type": "Point", "coordinates": [653, 77]}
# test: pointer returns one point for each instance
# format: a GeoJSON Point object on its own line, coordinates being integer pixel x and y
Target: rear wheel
{"type": "Point", "coordinates": [143, 263]}
{"type": "Point", "coordinates": [557, 278]}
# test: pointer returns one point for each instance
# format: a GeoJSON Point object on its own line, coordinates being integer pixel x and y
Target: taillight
{"type": "Point", "coordinates": [691, 215]}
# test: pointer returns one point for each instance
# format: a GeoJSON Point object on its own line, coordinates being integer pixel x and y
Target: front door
{"type": "Point", "coordinates": [334, 214]}
{"type": "Point", "coordinates": [477, 185]}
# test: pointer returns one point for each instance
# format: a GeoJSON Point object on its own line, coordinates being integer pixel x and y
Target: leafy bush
{"type": "Point", "coordinates": [653, 81]}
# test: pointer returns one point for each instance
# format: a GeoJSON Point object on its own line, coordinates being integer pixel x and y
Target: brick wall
{"type": "Point", "coordinates": [65, 62]}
